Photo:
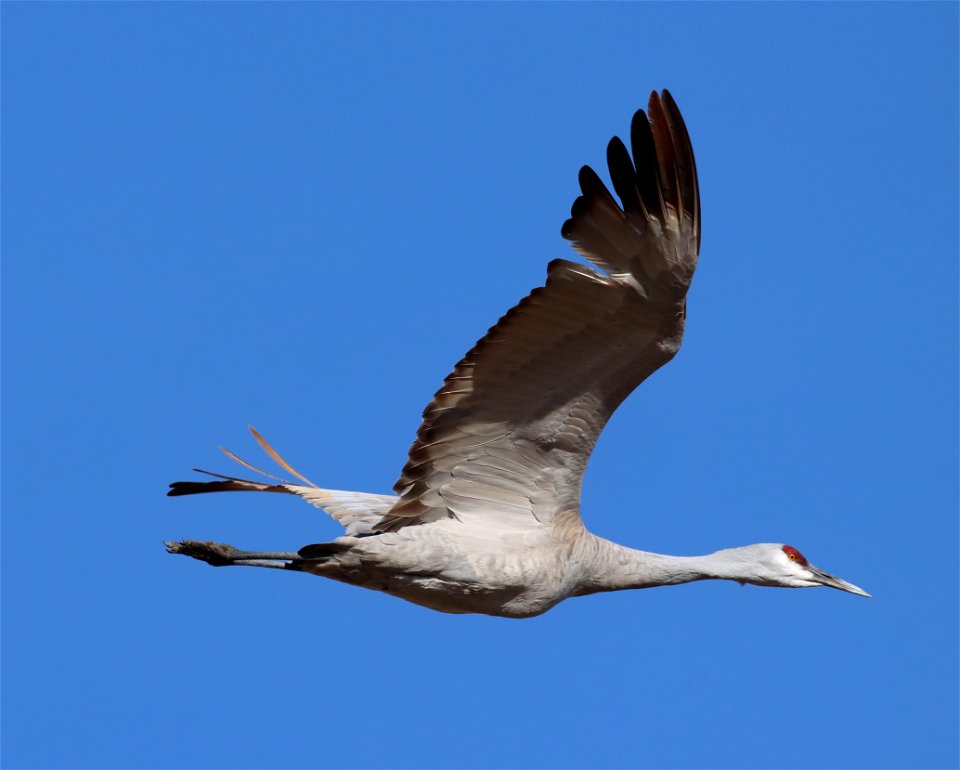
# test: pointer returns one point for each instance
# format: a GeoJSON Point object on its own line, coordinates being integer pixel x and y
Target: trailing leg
{"type": "Point", "coordinates": [223, 555]}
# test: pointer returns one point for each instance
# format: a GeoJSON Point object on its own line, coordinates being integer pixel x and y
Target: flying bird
{"type": "Point", "coordinates": [486, 515]}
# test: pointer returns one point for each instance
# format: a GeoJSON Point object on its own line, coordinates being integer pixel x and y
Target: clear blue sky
{"type": "Point", "coordinates": [299, 216]}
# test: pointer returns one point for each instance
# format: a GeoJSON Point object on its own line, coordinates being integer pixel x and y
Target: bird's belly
{"type": "Point", "coordinates": [445, 595]}
{"type": "Point", "coordinates": [518, 578]}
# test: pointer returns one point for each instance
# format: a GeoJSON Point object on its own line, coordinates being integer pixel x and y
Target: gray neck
{"type": "Point", "coordinates": [616, 567]}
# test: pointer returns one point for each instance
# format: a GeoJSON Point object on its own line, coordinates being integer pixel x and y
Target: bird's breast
{"type": "Point", "coordinates": [450, 569]}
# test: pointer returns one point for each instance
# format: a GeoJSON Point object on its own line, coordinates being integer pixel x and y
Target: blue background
{"type": "Point", "coordinates": [300, 216]}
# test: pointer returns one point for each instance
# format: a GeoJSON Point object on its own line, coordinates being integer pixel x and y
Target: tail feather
{"type": "Point", "coordinates": [277, 458]}
{"type": "Point", "coordinates": [178, 488]}
{"type": "Point", "coordinates": [250, 466]}
{"type": "Point", "coordinates": [358, 512]}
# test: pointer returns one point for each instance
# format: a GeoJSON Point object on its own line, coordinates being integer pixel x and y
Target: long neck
{"type": "Point", "coordinates": [615, 567]}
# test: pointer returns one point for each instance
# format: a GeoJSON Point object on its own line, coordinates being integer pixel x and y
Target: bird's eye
{"type": "Point", "coordinates": [794, 555]}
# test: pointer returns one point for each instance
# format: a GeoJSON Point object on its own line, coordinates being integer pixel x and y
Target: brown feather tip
{"type": "Point", "coordinates": [277, 458]}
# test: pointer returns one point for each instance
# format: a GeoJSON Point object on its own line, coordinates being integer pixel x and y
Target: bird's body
{"type": "Point", "coordinates": [519, 572]}
{"type": "Point", "coordinates": [486, 517]}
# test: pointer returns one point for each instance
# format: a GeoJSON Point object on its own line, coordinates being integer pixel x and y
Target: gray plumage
{"type": "Point", "coordinates": [486, 514]}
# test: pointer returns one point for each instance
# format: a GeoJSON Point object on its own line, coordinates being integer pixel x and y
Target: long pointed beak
{"type": "Point", "coordinates": [826, 579]}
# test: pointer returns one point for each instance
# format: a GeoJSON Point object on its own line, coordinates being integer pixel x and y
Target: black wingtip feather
{"type": "Point", "coordinates": [645, 161]}
{"type": "Point", "coordinates": [655, 180]}
{"type": "Point", "coordinates": [590, 182]}
{"type": "Point", "coordinates": [579, 207]}
{"type": "Point", "coordinates": [666, 152]}
{"type": "Point", "coordinates": [624, 176]}
{"type": "Point", "coordinates": [686, 163]}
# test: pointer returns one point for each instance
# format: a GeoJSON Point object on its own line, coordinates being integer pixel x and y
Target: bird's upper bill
{"type": "Point", "coordinates": [819, 577]}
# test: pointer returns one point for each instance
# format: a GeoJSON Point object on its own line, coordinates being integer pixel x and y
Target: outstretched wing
{"type": "Point", "coordinates": [508, 435]}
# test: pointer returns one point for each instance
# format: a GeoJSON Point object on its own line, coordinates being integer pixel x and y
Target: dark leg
{"type": "Point", "coordinates": [223, 555]}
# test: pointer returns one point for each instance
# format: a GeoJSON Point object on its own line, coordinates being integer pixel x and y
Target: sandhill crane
{"type": "Point", "coordinates": [486, 513]}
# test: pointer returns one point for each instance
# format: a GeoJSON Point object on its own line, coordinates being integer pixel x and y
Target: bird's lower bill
{"type": "Point", "coordinates": [819, 577]}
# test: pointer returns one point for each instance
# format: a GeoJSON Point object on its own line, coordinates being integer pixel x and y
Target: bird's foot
{"type": "Point", "coordinates": [214, 554]}
{"type": "Point", "coordinates": [223, 555]}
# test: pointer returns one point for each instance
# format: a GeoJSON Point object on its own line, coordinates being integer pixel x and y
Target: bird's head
{"type": "Point", "coordinates": [775, 564]}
